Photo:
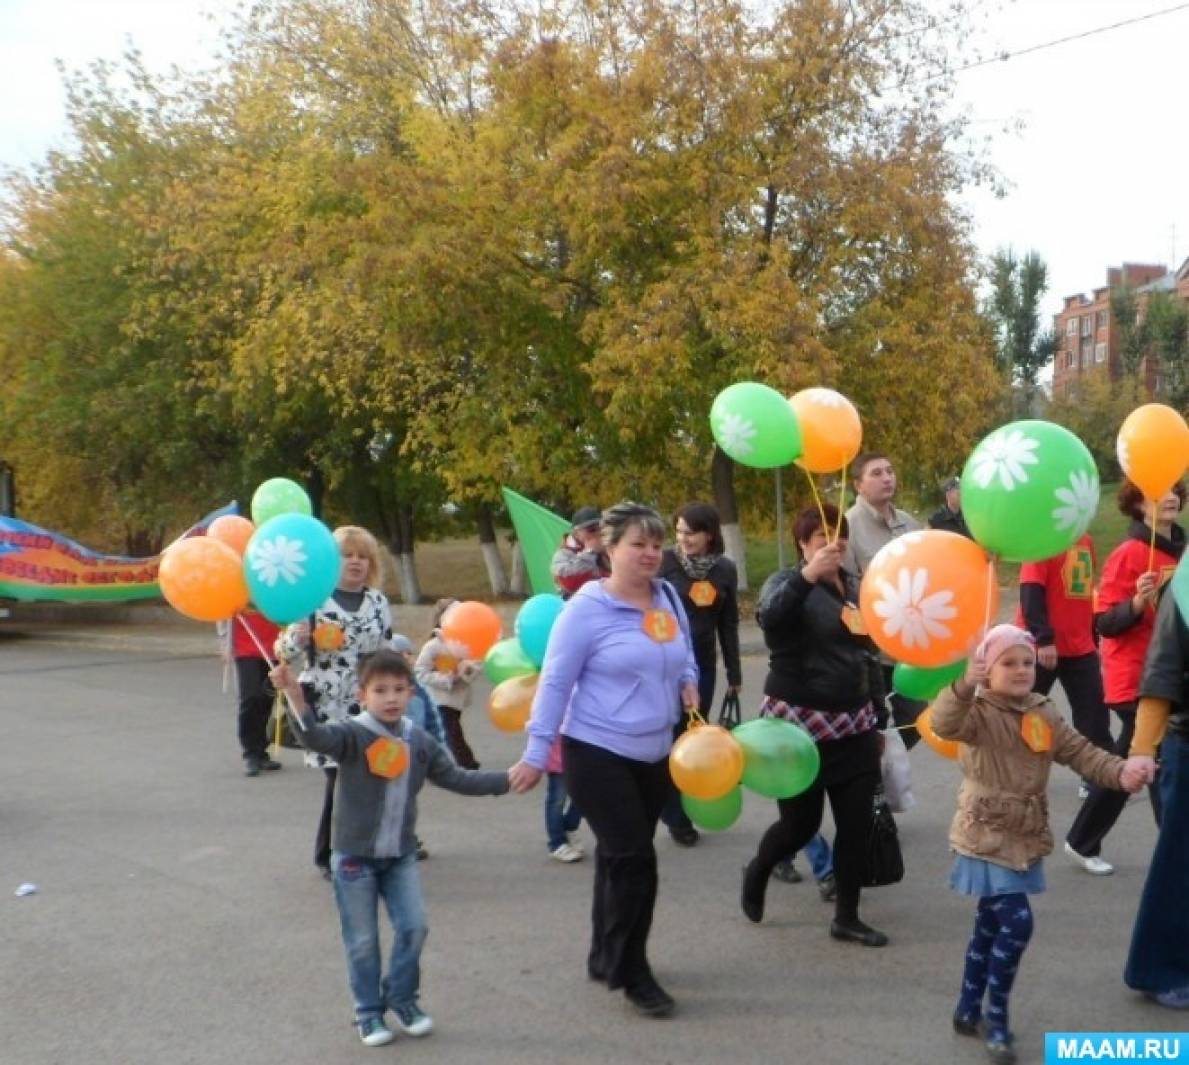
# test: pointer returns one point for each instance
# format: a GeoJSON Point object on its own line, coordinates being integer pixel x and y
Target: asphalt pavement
{"type": "Point", "coordinates": [178, 918]}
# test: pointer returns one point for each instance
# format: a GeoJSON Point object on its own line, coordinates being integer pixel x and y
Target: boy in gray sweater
{"type": "Point", "coordinates": [383, 761]}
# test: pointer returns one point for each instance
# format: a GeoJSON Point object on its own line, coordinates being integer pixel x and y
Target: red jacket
{"type": "Point", "coordinates": [1126, 635]}
{"type": "Point", "coordinates": [241, 643]}
{"type": "Point", "coordinates": [1057, 600]}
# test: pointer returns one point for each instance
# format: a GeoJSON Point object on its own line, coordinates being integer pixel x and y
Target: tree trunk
{"type": "Point", "coordinates": [316, 488]}
{"type": "Point", "coordinates": [496, 575]}
{"type": "Point", "coordinates": [519, 577]}
{"type": "Point", "coordinates": [722, 475]}
{"type": "Point", "coordinates": [402, 548]}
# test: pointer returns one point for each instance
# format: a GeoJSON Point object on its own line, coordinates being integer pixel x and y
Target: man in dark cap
{"type": "Point", "coordinates": [581, 557]}
{"type": "Point", "coordinates": [948, 516]}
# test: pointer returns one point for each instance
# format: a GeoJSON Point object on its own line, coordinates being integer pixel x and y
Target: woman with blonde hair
{"type": "Point", "coordinates": [355, 621]}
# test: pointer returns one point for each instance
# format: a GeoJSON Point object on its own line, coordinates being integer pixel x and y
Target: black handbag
{"type": "Point", "coordinates": [728, 713]}
{"type": "Point", "coordinates": [885, 863]}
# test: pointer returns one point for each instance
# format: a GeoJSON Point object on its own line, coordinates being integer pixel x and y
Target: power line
{"type": "Point", "coordinates": [1003, 57]}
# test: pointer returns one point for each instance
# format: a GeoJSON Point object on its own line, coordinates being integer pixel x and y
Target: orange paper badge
{"type": "Point", "coordinates": [853, 620]}
{"type": "Point", "coordinates": [387, 758]}
{"type": "Point", "coordinates": [328, 636]}
{"type": "Point", "coordinates": [702, 593]}
{"type": "Point", "coordinates": [1037, 732]}
{"type": "Point", "coordinates": [660, 625]}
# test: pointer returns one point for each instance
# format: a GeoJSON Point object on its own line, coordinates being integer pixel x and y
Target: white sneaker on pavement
{"type": "Point", "coordinates": [566, 853]}
{"type": "Point", "coordinates": [1093, 865]}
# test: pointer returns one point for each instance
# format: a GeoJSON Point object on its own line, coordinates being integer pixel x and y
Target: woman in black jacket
{"type": "Point", "coordinates": [818, 678]}
{"type": "Point", "coordinates": [708, 584]}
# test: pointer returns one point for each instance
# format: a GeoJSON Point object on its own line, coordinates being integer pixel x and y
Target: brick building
{"type": "Point", "coordinates": [1088, 337]}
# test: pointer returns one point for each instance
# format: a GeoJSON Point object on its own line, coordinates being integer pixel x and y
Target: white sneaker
{"type": "Point", "coordinates": [575, 845]}
{"type": "Point", "coordinates": [1093, 865]}
{"type": "Point", "coordinates": [374, 1033]}
{"type": "Point", "coordinates": [566, 853]}
{"type": "Point", "coordinates": [412, 1020]}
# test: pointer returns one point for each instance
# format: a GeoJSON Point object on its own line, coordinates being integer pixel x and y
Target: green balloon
{"type": "Point", "coordinates": [780, 759]}
{"type": "Point", "coordinates": [714, 815]}
{"type": "Point", "coordinates": [277, 496]}
{"type": "Point", "coordinates": [755, 425]}
{"type": "Point", "coordinates": [916, 682]}
{"type": "Point", "coordinates": [1029, 491]}
{"type": "Point", "coordinates": [1180, 587]}
{"type": "Point", "coordinates": [507, 659]}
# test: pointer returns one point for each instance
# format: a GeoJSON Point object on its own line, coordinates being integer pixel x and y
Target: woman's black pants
{"type": "Point", "coordinates": [621, 800]}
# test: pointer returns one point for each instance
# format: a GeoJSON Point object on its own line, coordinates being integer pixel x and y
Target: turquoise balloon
{"type": "Point", "coordinates": [505, 660]}
{"type": "Point", "coordinates": [534, 623]}
{"type": "Point", "coordinates": [277, 496]}
{"type": "Point", "coordinates": [714, 815]}
{"type": "Point", "coordinates": [1029, 491]}
{"type": "Point", "coordinates": [917, 682]}
{"type": "Point", "coordinates": [755, 425]}
{"type": "Point", "coordinates": [780, 759]}
{"type": "Point", "coordinates": [292, 565]}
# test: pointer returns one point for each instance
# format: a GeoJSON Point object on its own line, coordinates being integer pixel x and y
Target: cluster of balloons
{"type": "Point", "coordinates": [514, 665]}
{"type": "Point", "coordinates": [817, 428]}
{"type": "Point", "coordinates": [284, 561]}
{"type": "Point", "coordinates": [711, 766]}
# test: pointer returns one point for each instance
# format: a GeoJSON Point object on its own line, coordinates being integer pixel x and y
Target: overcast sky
{"type": "Point", "coordinates": [1097, 173]}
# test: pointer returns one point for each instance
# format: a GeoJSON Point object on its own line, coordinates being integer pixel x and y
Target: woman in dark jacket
{"type": "Point", "coordinates": [1158, 962]}
{"type": "Point", "coordinates": [818, 678]}
{"type": "Point", "coordinates": [708, 585]}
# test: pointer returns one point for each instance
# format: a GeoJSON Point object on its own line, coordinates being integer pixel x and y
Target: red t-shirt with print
{"type": "Point", "coordinates": [1068, 581]}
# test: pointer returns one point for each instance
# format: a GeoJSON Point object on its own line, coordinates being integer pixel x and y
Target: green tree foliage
{"type": "Point", "coordinates": [1023, 346]}
{"type": "Point", "coordinates": [411, 253]}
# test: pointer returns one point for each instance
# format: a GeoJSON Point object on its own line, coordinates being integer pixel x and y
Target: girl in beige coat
{"type": "Point", "coordinates": [1010, 738]}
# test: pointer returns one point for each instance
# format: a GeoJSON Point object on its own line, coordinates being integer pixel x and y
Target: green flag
{"type": "Point", "coordinates": [540, 533]}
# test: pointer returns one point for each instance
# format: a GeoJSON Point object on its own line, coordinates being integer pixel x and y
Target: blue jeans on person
{"type": "Point", "coordinates": [560, 819]}
{"type": "Point", "coordinates": [359, 885]}
{"type": "Point", "coordinates": [821, 858]}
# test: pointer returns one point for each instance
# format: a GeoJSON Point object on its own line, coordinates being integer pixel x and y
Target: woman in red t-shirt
{"type": "Point", "coordinates": [1124, 614]}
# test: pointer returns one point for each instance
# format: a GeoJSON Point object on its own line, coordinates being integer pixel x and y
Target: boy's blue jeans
{"type": "Point", "coordinates": [559, 821]}
{"type": "Point", "coordinates": [817, 850]}
{"type": "Point", "coordinates": [359, 885]}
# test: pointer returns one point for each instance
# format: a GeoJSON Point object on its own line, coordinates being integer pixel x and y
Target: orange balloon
{"type": "Point", "coordinates": [203, 579]}
{"type": "Point", "coordinates": [1153, 448]}
{"type": "Point", "coordinates": [706, 762]}
{"type": "Point", "coordinates": [927, 596]}
{"type": "Point", "coordinates": [945, 748]}
{"type": "Point", "coordinates": [511, 702]}
{"type": "Point", "coordinates": [831, 432]}
{"type": "Point", "coordinates": [472, 625]}
{"type": "Point", "coordinates": [232, 530]}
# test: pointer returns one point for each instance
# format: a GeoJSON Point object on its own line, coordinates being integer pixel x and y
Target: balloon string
{"type": "Point", "coordinates": [1152, 546]}
{"type": "Point", "coordinates": [259, 646]}
{"type": "Point", "coordinates": [841, 501]}
{"type": "Point", "coordinates": [818, 500]}
{"type": "Point", "coordinates": [990, 589]}
{"type": "Point", "coordinates": [695, 717]}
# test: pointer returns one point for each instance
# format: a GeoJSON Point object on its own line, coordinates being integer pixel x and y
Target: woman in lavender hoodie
{"type": "Point", "coordinates": [619, 668]}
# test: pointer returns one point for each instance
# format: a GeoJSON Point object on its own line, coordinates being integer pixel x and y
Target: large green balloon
{"type": "Point", "coordinates": [714, 814]}
{"type": "Point", "coordinates": [507, 659]}
{"type": "Point", "coordinates": [755, 425]}
{"type": "Point", "coordinates": [277, 496]}
{"type": "Point", "coordinates": [917, 682]}
{"type": "Point", "coordinates": [1029, 491]}
{"type": "Point", "coordinates": [780, 759]}
{"type": "Point", "coordinates": [1180, 587]}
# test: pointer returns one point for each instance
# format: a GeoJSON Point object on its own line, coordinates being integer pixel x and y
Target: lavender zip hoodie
{"type": "Point", "coordinates": [606, 682]}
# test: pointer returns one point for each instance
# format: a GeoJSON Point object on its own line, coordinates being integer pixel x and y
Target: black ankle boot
{"type": "Point", "coordinates": [853, 930]}
{"type": "Point", "coordinates": [751, 897]}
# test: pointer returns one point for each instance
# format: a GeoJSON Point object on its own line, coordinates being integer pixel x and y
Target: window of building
{"type": "Point", "coordinates": [1087, 325]}
{"type": "Point", "coordinates": [1103, 319]}
{"type": "Point", "coordinates": [1100, 353]}
{"type": "Point", "coordinates": [1071, 327]}
{"type": "Point", "coordinates": [1085, 358]}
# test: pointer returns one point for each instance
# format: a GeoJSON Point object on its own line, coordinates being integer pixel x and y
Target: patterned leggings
{"type": "Point", "coordinates": [1002, 928]}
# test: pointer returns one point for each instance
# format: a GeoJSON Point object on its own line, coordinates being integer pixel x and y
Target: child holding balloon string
{"type": "Point", "coordinates": [384, 760]}
{"type": "Point", "coordinates": [1010, 737]}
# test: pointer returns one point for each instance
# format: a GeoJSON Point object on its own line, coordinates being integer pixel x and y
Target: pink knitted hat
{"type": "Point", "coordinates": [1001, 638]}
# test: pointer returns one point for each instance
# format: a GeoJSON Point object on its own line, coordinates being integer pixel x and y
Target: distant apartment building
{"type": "Point", "coordinates": [1088, 337]}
